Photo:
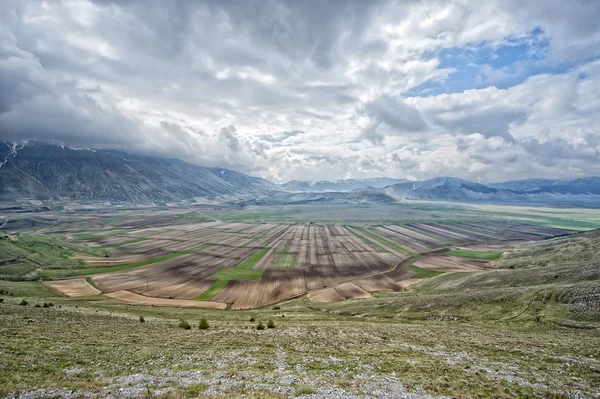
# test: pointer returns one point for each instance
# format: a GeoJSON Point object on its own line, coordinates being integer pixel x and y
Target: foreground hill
{"type": "Point", "coordinates": [555, 280]}
{"type": "Point", "coordinates": [44, 171]}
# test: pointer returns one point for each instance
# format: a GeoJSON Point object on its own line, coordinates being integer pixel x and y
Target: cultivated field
{"type": "Point", "coordinates": [181, 256]}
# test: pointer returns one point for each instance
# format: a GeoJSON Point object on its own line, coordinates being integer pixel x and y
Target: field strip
{"type": "Point", "coordinates": [262, 234]}
{"type": "Point", "coordinates": [400, 263]}
{"type": "Point", "coordinates": [285, 260]}
{"type": "Point", "coordinates": [83, 272]}
{"type": "Point", "coordinates": [86, 236]}
{"type": "Point", "coordinates": [427, 234]}
{"type": "Point", "coordinates": [243, 271]}
{"type": "Point", "coordinates": [130, 297]}
{"type": "Point", "coordinates": [423, 273]}
{"type": "Point", "coordinates": [74, 287]}
{"type": "Point", "coordinates": [118, 244]}
{"type": "Point", "coordinates": [383, 241]}
{"type": "Point", "coordinates": [370, 243]}
{"type": "Point", "coordinates": [478, 231]}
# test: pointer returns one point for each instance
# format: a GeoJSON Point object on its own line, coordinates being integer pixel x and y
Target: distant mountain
{"type": "Point", "coordinates": [46, 171]}
{"type": "Point", "coordinates": [337, 197]}
{"type": "Point", "coordinates": [244, 182]}
{"type": "Point", "coordinates": [39, 171]}
{"type": "Point", "coordinates": [530, 190]}
{"type": "Point", "coordinates": [523, 185]}
{"type": "Point", "coordinates": [442, 189]}
{"type": "Point", "coordinates": [338, 185]}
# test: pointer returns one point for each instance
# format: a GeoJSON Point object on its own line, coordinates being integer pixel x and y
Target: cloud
{"type": "Point", "coordinates": [312, 90]}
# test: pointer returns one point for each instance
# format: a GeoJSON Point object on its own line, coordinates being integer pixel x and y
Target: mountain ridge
{"type": "Point", "coordinates": [42, 171]}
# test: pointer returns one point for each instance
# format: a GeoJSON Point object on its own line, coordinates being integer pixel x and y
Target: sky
{"type": "Point", "coordinates": [488, 91]}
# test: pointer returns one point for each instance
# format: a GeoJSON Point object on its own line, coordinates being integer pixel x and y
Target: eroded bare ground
{"type": "Point", "coordinates": [89, 352]}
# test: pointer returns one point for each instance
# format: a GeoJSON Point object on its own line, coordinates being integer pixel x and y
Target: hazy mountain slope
{"type": "Point", "coordinates": [339, 185]}
{"type": "Point", "coordinates": [531, 190]}
{"type": "Point", "coordinates": [242, 181]}
{"type": "Point", "coordinates": [354, 197]}
{"type": "Point", "coordinates": [443, 188]}
{"type": "Point", "coordinates": [43, 171]}
{"type": "Point", "coordinates": [523, 185]}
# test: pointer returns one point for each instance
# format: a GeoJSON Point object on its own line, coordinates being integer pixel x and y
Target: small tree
{"type": "Point", "coordinates": [260, 326]}
{"type": "Point", "coordinates": [142, 320]}
{"type": "Point", "coordinates": [203, 325]}
{"type": "Point", "coordinates": [184, 324]}
{"type": "Point", "coordinates": [252, 319]}
{"type": "Point", "coordinates": [270, 324]}
{"type": "Point", "coordinates": [23, 303]}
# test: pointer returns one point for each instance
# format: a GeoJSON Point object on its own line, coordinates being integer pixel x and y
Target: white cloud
{"type": "Point", "coordinates": [303, 90]}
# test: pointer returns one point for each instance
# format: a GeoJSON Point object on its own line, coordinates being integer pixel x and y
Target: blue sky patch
{"type": "Point", "coordinates": [490, 64]}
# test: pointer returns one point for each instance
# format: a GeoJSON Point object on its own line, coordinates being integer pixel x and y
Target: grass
{"type": "Point", "coordinates": [423, 273]}
{"type": "Point", "coordinates": [27, 289]}
{"type": "Point", "coordinates": [463, 253]}
{"type": "Point", "coordinates": [91, 282]}
{"type": "Point", "coordinates": [35, 256]}
{"type": "Point", "coordinates": [243, 271]}
{"type": "Point", "coordinates": [109, 269]}
{"type": "Point", "coordinates": [251, 261]}
{"type": "Point", "coordinates": [376, 247]}
{"type": "Point", "coordinates": [285, 260]}
{"type": "Point", "coordinates": [237, 274]}
{"type": "Point", "coordinates": [383, 241]}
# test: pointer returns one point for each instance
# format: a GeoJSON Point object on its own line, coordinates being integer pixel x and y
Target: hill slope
{"type": "Point", "coordinates": [555, 280]}
{"type": "Point", "coordinates": [45, 171]}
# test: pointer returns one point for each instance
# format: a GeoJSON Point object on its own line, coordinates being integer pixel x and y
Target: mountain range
{"type": "Point", "coordinates": [41, 171]}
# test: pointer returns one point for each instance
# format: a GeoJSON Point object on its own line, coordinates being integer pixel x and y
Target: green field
{"type": "Point", "coordinates": [422, 273]}
{"type": "Point", "coordinates": [243, 271]}
{"type": "Point", "coordinates": [285, 260]}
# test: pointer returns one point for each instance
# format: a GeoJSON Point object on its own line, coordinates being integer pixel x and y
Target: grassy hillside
{"type": "Point", "coordinates": [34, 257]}
{"type": "Point", "coordinates": [555, 280]}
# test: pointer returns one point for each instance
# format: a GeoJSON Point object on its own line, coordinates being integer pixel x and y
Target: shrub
{"type": "Point", "coordinates": [276, 308]}
{"type": "Point", "coordinates": [270, 324]}
{"type": "Point", "coordinates": [260, 326]}
{"type": "Point", "coordinates": [50, 304]}
{"type": "Point", "coordinates": [184, 324]}
{"type": "Point", "coordinates": [1, 300]}
{"type": "Point", "coordinates": [203, 325]}
{"type": "Point", "coordinates": [142, 320]}
{"type": "Point", "coordinates": [37, 305]}
{"type": "Point", "coordinates": [23, 303]}
{"type": "Point", "coordinates": [45, 305]}
{"type": "Point", "coordinates": [252, 319]}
